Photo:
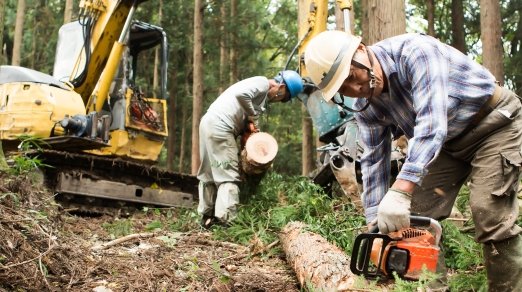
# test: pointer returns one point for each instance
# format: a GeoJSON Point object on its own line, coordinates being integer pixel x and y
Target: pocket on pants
{"type": "Point", "coordinates": [511, 163]}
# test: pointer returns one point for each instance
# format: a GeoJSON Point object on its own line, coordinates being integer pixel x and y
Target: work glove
{"type": "Point", "coordinates": [254, 120]}
{"type": "Point", "coordinates": [394, 211]}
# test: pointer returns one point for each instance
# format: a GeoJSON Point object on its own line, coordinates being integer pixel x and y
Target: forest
{"type": "Point", "coordinates": [212, 45]}
{"type": "Point", "coordinates": [259, 41]}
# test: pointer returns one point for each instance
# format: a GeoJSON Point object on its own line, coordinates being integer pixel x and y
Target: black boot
{"type": "Point", "coordinates": [208, 221]}
{"type": "Point", "coordinates": [504, 264]}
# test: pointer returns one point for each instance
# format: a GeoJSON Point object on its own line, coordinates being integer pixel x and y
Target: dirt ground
{"type": "Point", "coordinates": [45, 248]}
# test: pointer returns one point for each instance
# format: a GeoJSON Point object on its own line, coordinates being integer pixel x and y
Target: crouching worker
{"type": "Point", "coordinates": [461, 127]}
{"type": "Point", "coordinates": [226, 119]}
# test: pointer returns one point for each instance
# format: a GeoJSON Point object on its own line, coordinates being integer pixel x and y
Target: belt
{"type": "Point", "coordinates": [487, 108]}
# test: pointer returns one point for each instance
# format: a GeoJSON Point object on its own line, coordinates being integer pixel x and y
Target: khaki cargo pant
{"type": "Point", "coordinates": [489, 157]}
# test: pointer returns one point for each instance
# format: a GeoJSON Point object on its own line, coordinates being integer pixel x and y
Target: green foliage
{"type": "Point", "coordinates": [281, 199]}
{"type": "Point", "coordinates": [118, 228]}
{"type": "Point", "coordinates": [186, 219]}
{"type": "Point", "coordinates": [154, 225]}
{"type": "Point", "coordinates": [402, 285]}
{"type": "Point", "coordinates": [23, 163]}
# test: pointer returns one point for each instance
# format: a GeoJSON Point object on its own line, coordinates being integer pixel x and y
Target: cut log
{"type": "Point", "coordinates": [259, 153]}
{"type": "Point", "coordinates": [318, 264]}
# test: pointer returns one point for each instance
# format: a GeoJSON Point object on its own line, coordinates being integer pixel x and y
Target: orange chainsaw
{"type": "Point", "coordinates": [405, 252]}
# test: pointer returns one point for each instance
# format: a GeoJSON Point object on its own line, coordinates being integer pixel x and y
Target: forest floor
{"type": "Point", "coordinates": [44, 247]}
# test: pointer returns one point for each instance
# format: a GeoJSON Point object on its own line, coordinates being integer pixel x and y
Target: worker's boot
{"type": "Point", "coordinates": [226, 202]}
{"type": "Point", "coordinates": [503, 262]}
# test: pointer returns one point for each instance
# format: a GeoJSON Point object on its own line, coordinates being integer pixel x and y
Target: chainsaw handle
{"type": "Point", "coordinates": [420, 221]}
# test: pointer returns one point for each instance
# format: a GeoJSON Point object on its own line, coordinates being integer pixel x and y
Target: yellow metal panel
{"type": "Point", "coordinates": [34, 108]}
{"type": "Point", "coordinates": [133, 145]}
{"type": "Point", "coordinates": [312, 18]}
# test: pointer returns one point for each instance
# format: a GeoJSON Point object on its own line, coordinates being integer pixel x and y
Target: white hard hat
{"type": "Point", "coordinates": [327, 59]}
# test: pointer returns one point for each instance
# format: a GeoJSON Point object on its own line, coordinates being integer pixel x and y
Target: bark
{"type": "Point", "coordinates": [197, 85]}
{"type": "Point", "coordinates": [182, 139]}
{"type": "Point", "coordinates": [491, 37]}
{"type": "Point", "coordinates": [365, 22]}
{"type": "Point", "coordinates": [172, 114]}
{"type": "Point", "coordinates": [223, 53]}
{"type": "Point", "coordinates": [155, 77]}
{"type": "Point", "coordinates": [18, 35]}
{"type": "Point", "coordinates": [430, 11]}
{"type": "Point", "coordinates": [457, 26]}
{"type": "Point", "coordinates": [2, 21]}
{"type": "Point", "coordinates": [234, 74]}
{"type": "Point", "coordinates": [68, 11]}
{"type": "Point", "coordinates": [316, 262]}
{"type": "Point", "coordinates": [387, 18]}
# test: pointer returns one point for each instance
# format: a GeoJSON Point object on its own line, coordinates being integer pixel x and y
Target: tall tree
{"type": "Point", "coordinates": [68, 11]}
{"type": "Point", "coordinates": [430, 11]}
{"type": "Point", "coordinates": [155, 78]}
{"type": "Point", "coordinates": [18, 35]}
{"type": "Point", "coordinates": [386, 18]}
{"type": "Point", "coordinates": [491, 37]}
{"type": "Point", "coordinates": [2, 24]}
{"type": "Point", "coordinates": [457, 26]}
{"type": "Point", "coordinates": [234, 74]}
{"type": "Point", "coordinates": [197, 85]}
{"type": "Point", "coordinates": [365, 21]}
{"type": "Point", "coordinates": [223, 50]}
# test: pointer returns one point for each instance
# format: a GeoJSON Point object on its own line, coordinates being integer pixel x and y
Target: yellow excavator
{"type": "Point", "coordinates": [101, 130]}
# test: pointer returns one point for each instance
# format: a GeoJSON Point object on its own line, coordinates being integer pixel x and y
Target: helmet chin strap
{"type": "Point", "coordinates": [373, 84]}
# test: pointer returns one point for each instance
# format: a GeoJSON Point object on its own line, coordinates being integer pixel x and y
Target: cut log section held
{"type": "Point", "coordinates": [316, 262]}
{"type": "Point", "coordinates": [259, 153]}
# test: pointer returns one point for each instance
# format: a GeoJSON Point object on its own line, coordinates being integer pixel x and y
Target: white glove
{"type": "Point", "coordinates": [394, 211]}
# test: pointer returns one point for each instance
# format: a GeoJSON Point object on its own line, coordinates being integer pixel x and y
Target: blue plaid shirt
{"type": "Point", "coordinates": [433, 92]}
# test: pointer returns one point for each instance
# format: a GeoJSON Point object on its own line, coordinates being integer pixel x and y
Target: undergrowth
{"type": "Point", "coordinates": [281, 199]}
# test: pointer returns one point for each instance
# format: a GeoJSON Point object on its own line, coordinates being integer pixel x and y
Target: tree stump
{"type": "Point", "coordinates": [259, 153]}
{"type": "Point", "coordinates": [318, 264]}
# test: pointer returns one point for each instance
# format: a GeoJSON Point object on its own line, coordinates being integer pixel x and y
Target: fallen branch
{"type": "Point", "coordinates": [27, 261]}
{"type": "Point", "coordinates": [123, 239]}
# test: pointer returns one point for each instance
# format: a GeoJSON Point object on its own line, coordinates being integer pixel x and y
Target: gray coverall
{"type": "Point", "coordinates": [224, 121]}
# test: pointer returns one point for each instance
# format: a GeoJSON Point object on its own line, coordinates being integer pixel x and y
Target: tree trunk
{"type": "Point", "coordinates": [223, 53]}
{"type": "Point", "coordinates": [3, 57]}
{"type": "Point", "coordinates": [171, 119]}
{"type": "Point", "coordinates": [68, 11]}
{"type": "Point", "coordinates": [18, 35]}
{"type": "Point", "coordinates": [430, 11]}
{"type": "Point", "coordinates": [315, 261]}
{"type": "Point", "coordinates": [197, 85]}
{"type": "Point", "coordinates": [308, 149]}
{"type": "Point", "coordinates": [365, 22]}
{"type": "Point", "coordinates": [491, 37]}
{"type": "Point", "coordinates": [387, 18]}
{"type": "Point", "coordinates": [234, 74]}
{"type": "Point", "coordinates": [155, 77]}
{"type": "Point", "coordinates": [457, 26]}
{"type": "Point", "coordinates": [182, 139]}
